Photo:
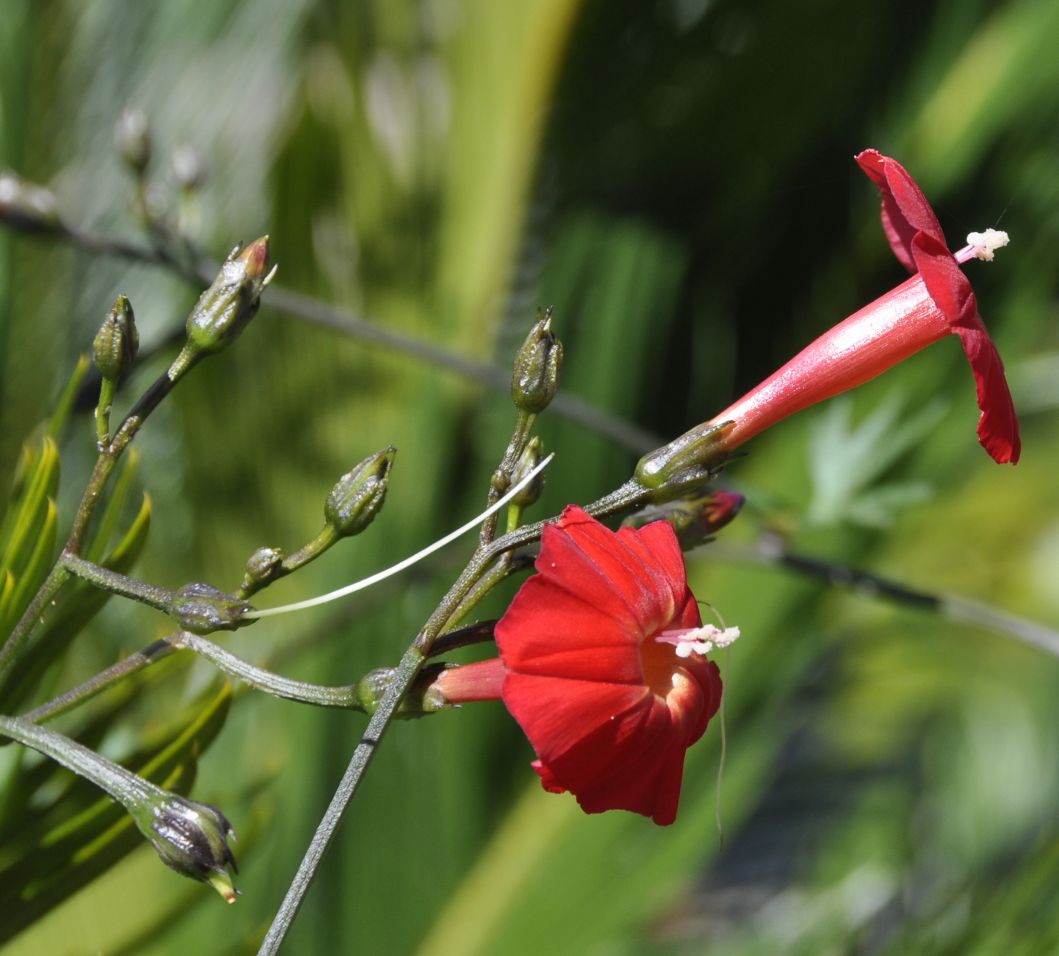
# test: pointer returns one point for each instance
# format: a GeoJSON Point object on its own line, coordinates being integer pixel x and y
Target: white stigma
{"type": "Point", "coordinates": [985, 244]}
{"type": "Point", "coordinates": [702, 640]}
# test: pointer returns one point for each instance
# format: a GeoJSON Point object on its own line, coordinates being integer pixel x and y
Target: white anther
{"type": "Point", "coordinates": [985, 244]}
{"type": "Point", "coordinates": [702, 640]}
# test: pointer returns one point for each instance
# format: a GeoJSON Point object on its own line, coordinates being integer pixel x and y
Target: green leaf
{"type": "Point", "coordinates": [96, 833]}
{"type": "Point", "coordinates": [28, 514]}
{"type": "Point", "coordinates": [37, 566]}
{"type": "Point", "coordinates": [66, 400]}
{"type": "Point", "coordinates": [74, 610]}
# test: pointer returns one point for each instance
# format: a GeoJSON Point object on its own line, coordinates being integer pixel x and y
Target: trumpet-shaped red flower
{"type": "Point", "coordinates": [936, 301]}
{"type": "Point", "coordinates": [602, 663]}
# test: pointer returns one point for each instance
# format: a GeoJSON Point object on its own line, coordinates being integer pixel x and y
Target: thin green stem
{"type": "Point", "coordinates": [404, 677]}
{"type": "Point", "coordinates": [97, 482]}
{"type": "Point", "coordinates": [85, 691]}
{"type": "Point", "coordinates": [106, 580]}
{"type": "Point", "coordinates": [123, 785]}
{"type": "Point", "coordinates": [56, 578]}
{"type": "Point", "coordinates": [103, 406]}
{"type": "Point", "coordinates": [623, 433]}
{"type": "Point", "coordinates": [502, 477]}
{"type": "Point", "coordinates": [308, 552]}
{"type": "Point", "coordinates": [627, 496]}
{"type": "Point", "coordinates": [344, 697]}
{"type": "Point", "coordinates": [503, 567]}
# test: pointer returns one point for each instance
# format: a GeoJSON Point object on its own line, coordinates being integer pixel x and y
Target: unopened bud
{"type": "Point", "coordinates": [531, 457]}
{"type": "Point", "coordinates": [358, 496]}
{"type": "Point", "coordinates": [202, 609]}
{"type": "Point", "coordinates": [685, 463]}
{"type": "Point", "coordinates": [26, 205]}
{"type": "Point", "coordinates": [262, 567]}
{"type": "Point", "coordinates": [423, 696]}
{"type": "Point", "coordinates": [694, 520]}
{"type": "Point", "coordinates": [536, 374]}
{"type": "Point", "coordinates": [225, 308]}
{"type": "Point", "coordinates": [190, 837]}
{"type": "Point", "coordinates": [133, 139]}
{"type": "Point", "coordinates": [189, 168]}
{"type": "Point", "coordinates": [115, 345]}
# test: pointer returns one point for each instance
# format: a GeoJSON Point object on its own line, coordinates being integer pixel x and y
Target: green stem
{"type": "Point", "coordinates": [89, 500]}
{"type": "Point", "coordinates": [627, 496]}
{"type": "Point", "coordinates": [56, 578]}
{"type": "Point", "coordinates": [501, 480]}
{"type": "Point", "coordinates": [97, 482]}
{"type": "Point", "coordinates": [106, 580]}
{"type": "Point", "coordinates": [405, 675]}
{"type": "Point", "coordinates": [90, 688]}
{"type": "Point", "coordinates": [309, 552]}
{"type": "Point", "coordinates": [103, 406]}
{"type": "Point", "coordinates": [624, 434]}
{"type": "Point", "coordinates": [123, 785]}
{"type": "Point", "coordinates": [345, 697]}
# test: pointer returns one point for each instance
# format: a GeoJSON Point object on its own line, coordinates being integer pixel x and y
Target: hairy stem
{"type": "Point", "coordinates": [629, 495]}
{"type": "Point", "coordinates": [106, 580]}
{"type": "Point", "coordinates": [121, 784]}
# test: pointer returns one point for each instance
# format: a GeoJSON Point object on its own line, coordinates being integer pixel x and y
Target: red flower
{"type": "Point", "coordinates": [602, 664]}
{"type": "Point", "coordinates": [935, 302]}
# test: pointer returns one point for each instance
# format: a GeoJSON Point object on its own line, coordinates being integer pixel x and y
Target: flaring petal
{"type": "Point", "coordinates": [905, 210]}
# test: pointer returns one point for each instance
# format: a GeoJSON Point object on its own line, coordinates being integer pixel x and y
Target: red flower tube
{"type": "Point", "coordinates": [936, 301]}
{"type": "Point", "coordinates": [602, 663]}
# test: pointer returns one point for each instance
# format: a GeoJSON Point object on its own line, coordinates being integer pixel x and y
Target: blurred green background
{"type": "Point", "coordinates": [676, 178]}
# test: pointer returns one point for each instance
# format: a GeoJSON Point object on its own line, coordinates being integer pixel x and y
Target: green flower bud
{"type": "Point", "coordinates": [202, 609]}
{"type": "Point", "coordinates": [133, 139]}
{"type": "Point", "coordinates": [358, 495]}
{"type": "Point", "coordinates": [225, 308]}
{"type": "Point", "coordinates": [423, 696]}
{"type": "Point", "coordinates": [262, 567]}
{"type": "Point", "coordinates": [536, 374]}
{"type": "Point", "coordinates": [695, 520]}
{"type": "Point", "coordinates": [685, 463]}
{"type": "Point", "coordinates": [117, 341]}
{"type": "Point", "coordinates": [27, 205]}
{"type": "Point", "coordinates": [531, 457]}
{"type": "Point", "coordinates": [190, 837]}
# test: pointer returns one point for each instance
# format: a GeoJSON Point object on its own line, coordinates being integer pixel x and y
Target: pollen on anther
{"type": "Point", "coordinates": [985, 244]}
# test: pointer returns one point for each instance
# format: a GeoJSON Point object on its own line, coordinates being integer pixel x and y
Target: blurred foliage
{"type": "Point", "coordinates": [675, 177]}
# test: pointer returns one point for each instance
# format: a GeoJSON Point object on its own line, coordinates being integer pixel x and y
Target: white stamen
{"type": "Point", "coordinates": [700, 640]}
{"type": "Point", "coordinates": [985, 244]}
{"type": "Point", "coordinates": [411, 559]}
